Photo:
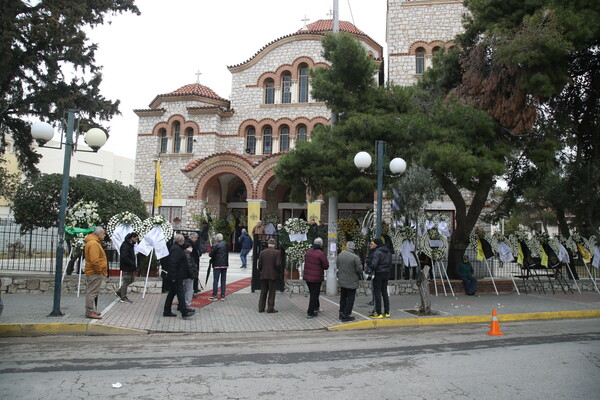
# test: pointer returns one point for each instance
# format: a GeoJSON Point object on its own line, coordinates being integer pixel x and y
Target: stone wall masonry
{"type": "Point", "coordinates": [414, 21]}
{"type": "Point", "coordinates": [44, 284]}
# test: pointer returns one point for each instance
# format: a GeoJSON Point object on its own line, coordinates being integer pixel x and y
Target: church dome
{"type": "Point", "coordinates": [195, 89]}
{"type": "Point", "coordinates": [326, 25]}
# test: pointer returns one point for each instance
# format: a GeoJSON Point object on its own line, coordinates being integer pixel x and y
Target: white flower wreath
{"type": "Point", "coordinates": [295, 226]}
{"type": "Point", "coordinates": [157, 220]}
{"type": "Point", "coordinates": [84, 214]}
{"type": "Point", "coordinates": [297, 251]}
{"type": "Point", "coordinates": [124, 218]}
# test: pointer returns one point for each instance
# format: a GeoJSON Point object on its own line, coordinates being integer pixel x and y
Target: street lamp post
{"type": "Point", "coordinates": [42, 132]}
{"type": "Point", "coordinates": [362, 160]}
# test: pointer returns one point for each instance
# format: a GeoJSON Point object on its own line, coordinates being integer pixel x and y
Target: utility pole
{"type": "Point", "coordinates": [332, 236]}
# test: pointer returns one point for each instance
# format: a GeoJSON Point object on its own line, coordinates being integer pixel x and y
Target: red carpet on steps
{"type": "Point", "coordinates": [202, 298]}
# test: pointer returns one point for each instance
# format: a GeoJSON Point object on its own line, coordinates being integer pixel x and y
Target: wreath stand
{"type": "Point", "coordinates": [439, 265]}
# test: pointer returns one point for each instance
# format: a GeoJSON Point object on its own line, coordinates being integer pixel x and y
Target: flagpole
{"type": "Point", "coordinates": [154, 190]}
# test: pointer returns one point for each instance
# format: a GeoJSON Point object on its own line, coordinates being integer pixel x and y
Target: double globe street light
{"type": "Point", "coordinates": [95, 138]}
{"type": "Point", "coordinates": [362, 160]}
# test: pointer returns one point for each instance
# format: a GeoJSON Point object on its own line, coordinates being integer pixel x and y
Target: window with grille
{"type": "Point", "coordinates": [251, 140]}
{"type": "Point", "coordinates": [284, 138]}
{"type": "Point", "coordinates": [176, 136]}
{"type": "Point", "coordinates": [267, 140]}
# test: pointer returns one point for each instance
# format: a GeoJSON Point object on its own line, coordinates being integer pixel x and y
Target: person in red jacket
{"type": "Point", "coordinates": [315, 263]}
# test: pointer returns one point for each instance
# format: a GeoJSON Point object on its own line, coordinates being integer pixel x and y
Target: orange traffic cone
{"type": "Point", "coordinates": [495, 327]}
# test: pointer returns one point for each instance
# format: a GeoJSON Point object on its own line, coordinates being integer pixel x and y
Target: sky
{"type": "Point", "coordinates": [162, 49]}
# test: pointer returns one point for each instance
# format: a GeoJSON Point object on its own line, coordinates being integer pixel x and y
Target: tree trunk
{"type": "Point", "coordinates": [465, 219]}
{"type": "Point", "coordinates": [563, 228]}
{"type": "Point", "coordinates": [423, 285]}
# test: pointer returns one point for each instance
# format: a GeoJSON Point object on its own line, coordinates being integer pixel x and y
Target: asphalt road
{"type": "Point", "coordinates": [548, 359]}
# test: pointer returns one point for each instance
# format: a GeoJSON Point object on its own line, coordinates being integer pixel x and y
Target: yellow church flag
{"type": "Point", "coordinates": [544, 261]}
{"type": "Point", "coordinates": [157, 187]}
{"type": "Point", "coordinates": [520, 256]}
{"type": "Point", "coordinates": [480, 253]}
{"type": "Point", "coordinates": [585, 254]}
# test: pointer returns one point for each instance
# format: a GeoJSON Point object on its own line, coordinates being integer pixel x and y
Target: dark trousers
{"type": "Point", "coordinates": [469, 282]}
{"type": "Point", "coordinates": [346, 301]}
{"type": "Point", "coordinates": [267, 287]}
{"type": "Point", "coordinates": [176, 289]}
{"type": "Point", "coordinates": [314, 288]}
{"type": "Point", "coordinates": [380, 284]}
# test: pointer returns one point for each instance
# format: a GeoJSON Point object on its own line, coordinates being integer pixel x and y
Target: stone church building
{"type": "Point", "coordinates": [220, 154]}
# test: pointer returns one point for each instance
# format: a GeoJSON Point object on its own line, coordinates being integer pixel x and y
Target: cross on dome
{"type": "Point", "coordinates": [198, 76]}
{"type": "Point", "coordinates": [305, 20]}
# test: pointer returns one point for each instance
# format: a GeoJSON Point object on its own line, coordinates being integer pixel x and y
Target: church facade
{"type": "Point", "coordinates": [219, 154]}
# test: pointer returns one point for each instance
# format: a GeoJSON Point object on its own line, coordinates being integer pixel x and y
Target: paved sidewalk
{"type": "Point", "coordinates": [26, 314]}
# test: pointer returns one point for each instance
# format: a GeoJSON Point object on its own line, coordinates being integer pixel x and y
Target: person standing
{"type": "Point", "coordinates": [198, 249]}
{"type": "Point", "coordinates": [315, 263]}
{"type": "Point", "coordinates": [349, 272]}
{"type": "Point", "coordinates": [246, 245]}
{"type": "Point", "coordinates": [127, 263]}
{"type": "Point", "coordinates": [380, 264]}
{"type": "Point", "coordinates": [269, 265]}
{"type": "Point", "coordinates": [176, 271]}
{"type": "Point", "coordinates": [96, 267]}
{"type": "Point", "coordinates": [465, 273]}
{"type": "Point", "coordinates": [219, 255]}
{"type": "Point", "coordinates": [189, 275]}
{"type": "Point", "coordinates": [258, 229]}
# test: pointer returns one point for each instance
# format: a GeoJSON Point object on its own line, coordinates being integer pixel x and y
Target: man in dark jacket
{"type": "Point", "coordinates": [349, 272]}
{"type": "Point", "coordinates": [198, 249]}
{"type": "Point", "coordinates": [269, 265]}
{"type": "Point", "coordinates": [246, 243]}
{"type": "Point", "coordinates": [380, 264]}
{"type": "Point", "coordinates": [219, 255]}
{"type": "Point", "coordinates": [177, 268]}
{"type": "Point", "coordinates": [315, 263]}
{"type": "Point", "coordinates": [127, 265]}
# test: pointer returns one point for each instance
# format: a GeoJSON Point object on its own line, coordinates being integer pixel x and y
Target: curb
{"type": "Point", "coordinates": [12, 330]}
{"type": "Point", "coordinates": [472, 319]}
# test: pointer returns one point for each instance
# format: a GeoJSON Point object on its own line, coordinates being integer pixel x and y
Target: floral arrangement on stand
{"type": "Point", "coordinates": [157, 220]}
{"type": "Point", "coordinates": [435, 253]}
{"type": "Point", "coordinates": [81, 219]}
{"type": "Point", "coordinates": [78, 242]}
{"type": "Point", "coordinates": [296, 228]}
{"type": "Point", "coordinates": [124, 218]}
{"type": "Point", "coordinates": [350, 229]}
{"type": "Point", "coordinates": [84, 215]}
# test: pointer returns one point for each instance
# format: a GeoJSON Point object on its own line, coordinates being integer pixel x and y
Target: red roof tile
{"type": "Point", "coordinates": [326, 25]}
{"type": "Point", "coordinates": [319, 27]}
{"type": "Point", "coordinates": [195, 89]}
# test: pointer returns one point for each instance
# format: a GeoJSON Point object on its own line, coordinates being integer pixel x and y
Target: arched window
{"type": "Point", "coordinates": [176, 133]}
{"type": "Point", "coordinates": [267, 134]}
{"type": "Point", "coordinates": [286, 88]}
{"type": "Point", "coordinates": [189, 140]}
{"type": "Point", "coordinates": [164, 140]}
{"type": "Point", "coordinates": [269, 91]}
{"type": "Point", "coordinates": [420, 60]}
{"type": "Point", "coordinates": [251, 140]}
{"type": "Point", "coordinates": [435, 49]}
{"type": "Point", "coordinates": [284, 138]}
{"type": "Point", "coordinates": [303, 84]}
{"type": "Point", "coordinates": [301, 133]}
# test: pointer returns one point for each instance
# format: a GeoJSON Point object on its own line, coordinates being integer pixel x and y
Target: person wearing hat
{"type": "Point", "coordinates": [380, 264]}
{"type": "Point", "coordinates": [349, 272]}
{"type": "Point", "coordinates": [269, 265]}
{"type": "Point", "coordinates": [465, 273]}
